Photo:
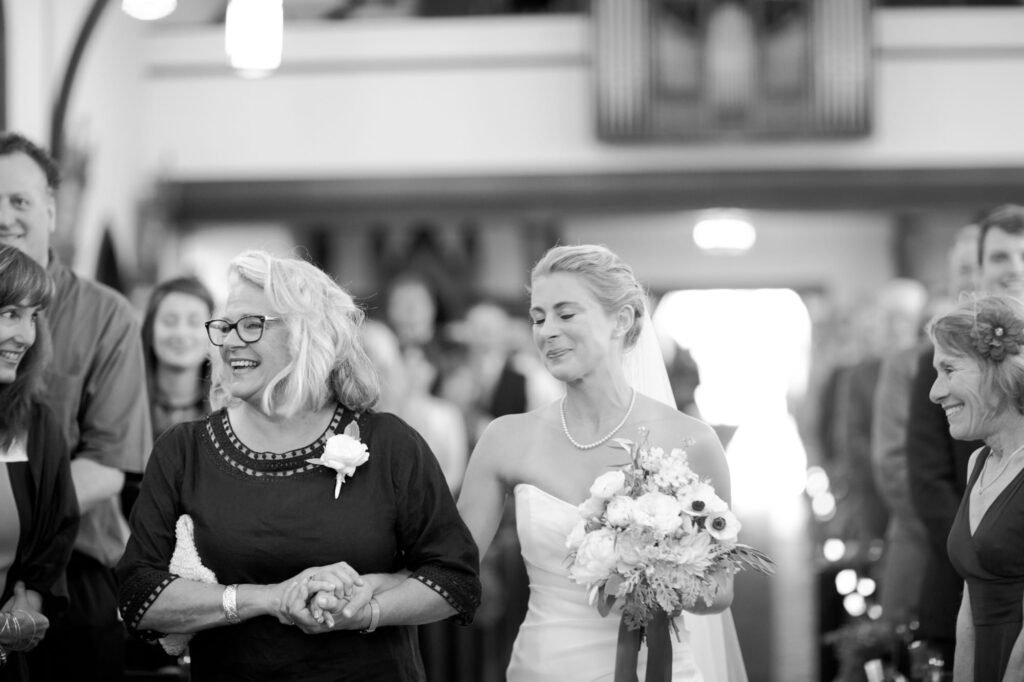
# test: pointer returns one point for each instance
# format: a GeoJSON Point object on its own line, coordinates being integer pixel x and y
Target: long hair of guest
{"type": "Point", "coordinates": [23, 282]}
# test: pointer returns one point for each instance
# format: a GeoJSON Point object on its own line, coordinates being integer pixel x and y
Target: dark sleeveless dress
{"type": "Point", "coordinates": [992, 563]}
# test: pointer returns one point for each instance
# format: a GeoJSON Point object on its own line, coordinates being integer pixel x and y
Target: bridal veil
{"type": "Point", "coordinates": [712, 637]}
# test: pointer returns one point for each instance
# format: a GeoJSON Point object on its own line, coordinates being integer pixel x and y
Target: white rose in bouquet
{"type": "Point", "coordinates": [659, 512]}
{"type": "Point", "coordinates": [608, 485]}
{"type": "Point", "coordinates": [620, 511]}
{"type": "Point", "coordinates": [596, 557]}
{"type": "Point", "coordinates": [576, 535]}
{"type": "Point", "coordinates": [592, 507]}
{"type": "Point", "coordinates": [633, 549]}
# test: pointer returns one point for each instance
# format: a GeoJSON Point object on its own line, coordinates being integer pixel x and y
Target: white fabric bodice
{"type": "Point", "coordinates": [563, 637]}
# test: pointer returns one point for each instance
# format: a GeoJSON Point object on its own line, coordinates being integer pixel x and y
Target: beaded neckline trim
{"type": "Point", "coordinates": [274, 464]}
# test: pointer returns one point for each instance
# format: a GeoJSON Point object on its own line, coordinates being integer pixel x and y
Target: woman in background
{"type": "Point", "coordinates": [323, 531]}
{"type": "Point", "coordinates": [177, 351]}
{"type": "Point", "coordinates": [405, 392]}
{"type": "Point", "coordinates": [979, 357]}
{"type": "Point", "coordinates": [38, 506]}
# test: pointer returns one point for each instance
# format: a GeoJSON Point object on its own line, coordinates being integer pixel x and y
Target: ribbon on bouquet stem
{"type": "Point", "coordinates": [659, 650]}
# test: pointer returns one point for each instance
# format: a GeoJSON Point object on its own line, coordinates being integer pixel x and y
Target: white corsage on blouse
{"type": "Point", "coordinates": [344, 453]}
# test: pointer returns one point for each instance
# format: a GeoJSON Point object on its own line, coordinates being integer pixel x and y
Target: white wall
{"type": "Point", "coordinates": [467, 96]}
{"type": "Point", "coordinates": [846, 254]}
{"type": "Point", "coordinates": [103, 118]}
{"type": "Point", "coordinates": [489, 95]}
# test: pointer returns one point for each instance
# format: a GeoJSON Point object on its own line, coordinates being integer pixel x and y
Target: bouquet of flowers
{"type": "Point", "coordinates": [657, 537]}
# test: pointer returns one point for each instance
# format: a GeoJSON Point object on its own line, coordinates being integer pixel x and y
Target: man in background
{"type": "Point", "coordinates": [95, 385]}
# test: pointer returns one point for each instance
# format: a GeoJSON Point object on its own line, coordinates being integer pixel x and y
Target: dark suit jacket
{"type": "Point", "coordinates": [858, 499]}
{"type": "Point", "coordinates": [937, 472]}
{"type": "Point", "coordinates": [509, 395]}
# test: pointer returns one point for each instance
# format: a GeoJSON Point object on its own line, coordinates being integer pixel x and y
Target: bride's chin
{"type": "Point", "coordinates": [561, 374]}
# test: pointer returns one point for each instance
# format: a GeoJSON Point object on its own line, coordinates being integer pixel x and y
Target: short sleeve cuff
{"type": "Point", "coordinates": [461, 591]}
{"type": "Point", "coordinates": [137, 594]}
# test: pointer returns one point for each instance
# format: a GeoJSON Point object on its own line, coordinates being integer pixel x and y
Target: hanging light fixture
{"type": "Point", "coordinates": [724, 232]}
{"type": "Point", "coordinates": [254, 35]}
{"type": "Point", "coordinates": [148, 10]}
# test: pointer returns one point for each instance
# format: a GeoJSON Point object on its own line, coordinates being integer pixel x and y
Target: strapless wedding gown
{"type": "Point", "coordinates": [563, 638]}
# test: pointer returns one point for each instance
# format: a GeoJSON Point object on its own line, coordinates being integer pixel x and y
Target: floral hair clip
{"type": "Point", "coordinates": [997, 336]}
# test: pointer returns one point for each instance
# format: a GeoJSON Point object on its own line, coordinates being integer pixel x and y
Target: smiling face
{"type": "Point", "coordinates": [249, 367]}
{"type": "Point", "coordinates": [411, 312]}
{"type": "Point", "coordinates": [17, 334]}
{"type": "Point", "coordinates": [570, 328]}
{"type": "Point", "coordinates": [1002, 263]}
{"type": "Point", "coordinates": [27, 207]}
{"type": "Point", "coordinates": [962, 391]}
{"type": "Point", "coordinates": [179, 339]}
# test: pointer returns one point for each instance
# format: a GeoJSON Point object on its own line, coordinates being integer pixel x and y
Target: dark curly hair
{"type": "Point", "coordinates": [13, 143]}
{"type": "Point", "coordinates": [23, 281]}
{"type": "Point", "coordinates": [1007, 217]}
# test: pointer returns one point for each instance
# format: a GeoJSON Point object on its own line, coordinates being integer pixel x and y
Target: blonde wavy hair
{"type": "Point", "coordinates": [328, 361]}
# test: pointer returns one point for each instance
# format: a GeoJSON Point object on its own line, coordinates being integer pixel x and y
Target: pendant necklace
{"type": "Point", "coordinates": [591, 446]}
{"type": "Point", "coordinates": [980, 487]}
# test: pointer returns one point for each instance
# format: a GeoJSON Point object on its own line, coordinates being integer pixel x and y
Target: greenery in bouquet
{"type": "Point", "coordinates": [655, 536]}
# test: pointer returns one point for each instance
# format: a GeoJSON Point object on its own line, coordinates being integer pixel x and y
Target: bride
{"type": "Point", "coordinates": [593, 333]}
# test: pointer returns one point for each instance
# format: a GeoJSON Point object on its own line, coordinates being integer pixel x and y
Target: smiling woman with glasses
{"type": "Point", "coordinates": [324, 531]}
{"type": "Point", "coordinates": [249, 329]}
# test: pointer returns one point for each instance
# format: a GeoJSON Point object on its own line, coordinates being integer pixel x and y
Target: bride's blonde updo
{"type": "Point", "coordinates": [607, 276]}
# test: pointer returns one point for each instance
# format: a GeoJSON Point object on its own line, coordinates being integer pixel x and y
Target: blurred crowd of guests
{"type": "Point", "coordinates": [896, 475]}
{"type": "Point", "coordinates": [114, 378]}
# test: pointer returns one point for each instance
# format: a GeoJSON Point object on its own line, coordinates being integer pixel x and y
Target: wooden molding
{"type": "Point", "coordinates": [819, 189]}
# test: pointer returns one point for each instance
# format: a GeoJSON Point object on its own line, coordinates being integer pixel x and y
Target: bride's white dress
{"type": "Point", "coordinates": [563, 638]}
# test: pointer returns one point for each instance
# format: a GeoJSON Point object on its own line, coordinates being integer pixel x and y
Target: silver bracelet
{"type": "Point", "coordinates": [374, 616]}
{"type": "Point", "coordinates": [229, 604]}
{"type": "Point", "coordinates": [31, 618]}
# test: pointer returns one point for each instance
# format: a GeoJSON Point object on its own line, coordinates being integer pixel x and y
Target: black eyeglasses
{"type": "Point", "coordinates": [249, 329]}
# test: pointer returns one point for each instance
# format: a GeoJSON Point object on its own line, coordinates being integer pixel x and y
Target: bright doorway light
{"type": "Point", "coordinates": [752, 347]}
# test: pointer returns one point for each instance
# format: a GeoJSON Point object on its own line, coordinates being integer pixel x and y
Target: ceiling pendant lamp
{"type": "Point", "coordinates": [254, 36]}
{"type": "Point", "coordinates": [724, 232]}
{"type": "Point", "coordinates": [148, 10]}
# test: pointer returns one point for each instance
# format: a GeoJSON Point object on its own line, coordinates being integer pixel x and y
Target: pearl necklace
{"type": "Point", "coordinates": [591, 446]}
{"type": "Point", "coordinates": [979, 486]}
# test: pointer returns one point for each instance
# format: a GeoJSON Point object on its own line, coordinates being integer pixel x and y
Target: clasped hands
{"type": "Point", "coordinates": [326, 598]}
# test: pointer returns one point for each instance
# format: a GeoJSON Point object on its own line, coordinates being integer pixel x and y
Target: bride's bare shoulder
{"type": "Point", "coordinates": [669, 422]}
{"type": "Point", "coordinates": [515, 432]}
